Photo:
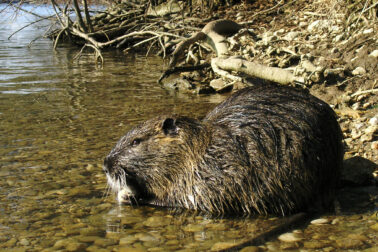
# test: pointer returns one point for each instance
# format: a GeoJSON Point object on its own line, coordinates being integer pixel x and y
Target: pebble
{"type": "Point", "coordinates": [302, 24]}
{"type": "Point", "coordinates": [127, 240]}
{"type": "Point", "coordinates": [193, 228]}
{"type": "Point", "coordinates": [358, 237]}
{"type": "Point", "coordinates": [291, 35]}
{"type": "Point", "coordinates": [359, 71]}
{"type": "Point", "coordinates": [320, 221]}
{"type": "Point", "coordinates": [368, 31]}
{"type": "Point", "coordinates": [315, 244]}
{"type": "Point", "coordinates": [102, 242]}
{"type": "Point", "coordinates": [146, 237]}
{"type": "Point", "coordinates": [91, 232]}
{"type": "Point", "coordinates": [373, 121]}
{"type": "Point", "coordinates": [217, 226]}
{"type": "Point", "coordinates": [289, 245]}
{"type": "Point", "coordinates": [356, 106]}
{"type": "Point", "coordinates": [94, 248]}
{"type": "Point", "coordinates": [374, 145]}
{"type": "Point", "coordinates": [319, 25]}
{"type": "Point", "coordinates": [79, 191]}
{"type": "Point", "coordinates": [374, 54]}
{"type": "Point", "coordinates": [130, 249]}
{"type": "Point", "coordinates": [289, 237]}
{"type": "Point", "coordinates": [220, 85]}
{"type": "Point", "coordinates": [371, 129]}
{"type": "Point", "coordinates": [348, 243]}
{"type": "Point", "coordinates": [76, 246]}
{"type": "Point", "coordinates": [359, 126]}
{"type": "Point", "coordinates": [157, 221]}
{"type": "Point", "coordinates": [335, 221]}
{"type": "Point", "coordinates": [372, 249]}
{"type": "Point", "coordinates": [222, 245]}
{"type": "Point", "coordinates": [60, 244]}
{"type": "Point", "coordinates": [88, 239]}
{"type": "Point", "coordinates": [338, 38]}
{"type": "Point", "coordinates": [374, 227]}
{"type": "Point", "coordinates": [10, 243]}
{"type": "Point", "coordinates": [24, 242]}
{"type": "Point", "coordinates": [250, 249]}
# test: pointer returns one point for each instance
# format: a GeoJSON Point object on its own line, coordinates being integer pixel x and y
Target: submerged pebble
{"type": "Point", "coordinates": [320, 221]}
{"type": "Point", "coordinates": [290, 237]}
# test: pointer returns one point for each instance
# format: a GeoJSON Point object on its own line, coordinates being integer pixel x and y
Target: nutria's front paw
{"type": "Point", "coordinates": [124, 195]}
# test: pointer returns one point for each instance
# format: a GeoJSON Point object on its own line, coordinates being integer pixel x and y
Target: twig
{"type": "Point", "coordinates": [97, 55]}
{"type": "Point", "coordinates": [57, 38]}
{"type": "Point", "coordinates": [29, 12]}
{"type": "Point", "coordinates": [29, 25]}
{"type": "Point", "coordinates": [162, 47]}
{"type": "Point", "coordinates": [57, 14]}
{"type": "Point", "coordinates": [314, 14]}
{"type": "Point", "coordinates": [33, 40]}
{"type": "Point", "coordinates": [149, 48]}
{"type": "Point", "coordinates": [374, 90]}
{"type": "Point", "coordinates": [363, 10]}
{"type": "Point", "coordinates": [372, 6]}
{"type": "Point", "coordinates": [140, 43]}
{"type": "Point", "coordinates": [101, 45]}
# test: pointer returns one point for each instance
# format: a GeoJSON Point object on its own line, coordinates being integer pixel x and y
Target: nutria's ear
{"type": "Point", "coordinates": [169, 126]}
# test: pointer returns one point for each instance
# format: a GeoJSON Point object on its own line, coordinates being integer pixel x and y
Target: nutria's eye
{"type": "Point", "coordinates": [135, 142]}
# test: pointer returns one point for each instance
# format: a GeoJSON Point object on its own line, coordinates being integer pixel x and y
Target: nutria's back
{"type": "Point", "coordinates": [267, 150]}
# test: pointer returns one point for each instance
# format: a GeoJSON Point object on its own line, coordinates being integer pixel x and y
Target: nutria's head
{"type": "Point", "coordinates": [149, 165]}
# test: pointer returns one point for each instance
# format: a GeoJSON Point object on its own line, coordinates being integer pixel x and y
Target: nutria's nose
{"type": "Point", "coordinates": [108, 164]}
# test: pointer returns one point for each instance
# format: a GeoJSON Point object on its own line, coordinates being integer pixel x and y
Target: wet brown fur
{"type": "Point", "coordinates": [264, 150]}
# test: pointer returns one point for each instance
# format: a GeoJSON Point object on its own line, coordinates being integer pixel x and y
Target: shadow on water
{"type": "Point", "coordinates": [59, 119]}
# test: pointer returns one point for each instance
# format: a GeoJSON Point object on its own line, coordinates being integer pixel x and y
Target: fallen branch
{"type": "Point", "coordinates": [274, 74]}
{"type": "Point", "coordinates": [375, 90]}
{"type": "Point", "coordinates": [214, 34]}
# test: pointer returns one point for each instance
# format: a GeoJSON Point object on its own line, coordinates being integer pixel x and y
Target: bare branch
{"type": "Point", "coordinates": [87, 16]}
{"type": "Point", "coordinates": [79, 17]}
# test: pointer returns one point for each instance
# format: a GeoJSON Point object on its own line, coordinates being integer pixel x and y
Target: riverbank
{"type": "Point", "coordinates": [331, 45]}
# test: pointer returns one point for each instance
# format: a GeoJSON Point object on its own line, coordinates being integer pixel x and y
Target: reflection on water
{"type": "Point", "coordinates": [59, 118]}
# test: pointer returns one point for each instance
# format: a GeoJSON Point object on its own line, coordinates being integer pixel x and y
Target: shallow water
{"type": "Point", "coordinates": [60, 117]}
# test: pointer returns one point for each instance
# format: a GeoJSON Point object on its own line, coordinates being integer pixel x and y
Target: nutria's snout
{"type": "Point", "coordinates": [129, 188]}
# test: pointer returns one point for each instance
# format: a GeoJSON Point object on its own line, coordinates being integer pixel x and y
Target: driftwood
{"type": "Point", "coordinates": [215, 34]}
{"type": "Point", "coordinates": [124, 26]}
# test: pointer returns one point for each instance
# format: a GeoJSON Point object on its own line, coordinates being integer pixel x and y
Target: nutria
{"type": "Point", "coordinates": [267, 149]}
